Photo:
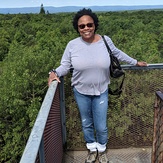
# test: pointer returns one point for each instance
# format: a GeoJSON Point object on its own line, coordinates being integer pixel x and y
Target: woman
{"type": "Point", "coordinates": [90, 60]}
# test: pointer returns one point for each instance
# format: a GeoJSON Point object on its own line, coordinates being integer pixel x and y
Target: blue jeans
{"type": "Point", "coordinates": [93, 112]}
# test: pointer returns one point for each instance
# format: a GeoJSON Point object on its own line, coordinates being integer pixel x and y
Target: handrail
{"type": "Point", "coordinates": [149, 66]}
{"type": "Point", "coordinates": [159, 94]}
{"type": "Point", "coordinates": [35, 138]}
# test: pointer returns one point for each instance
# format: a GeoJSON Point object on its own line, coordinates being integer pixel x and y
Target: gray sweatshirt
{"type": "Point", "coordinates": [91, 63]}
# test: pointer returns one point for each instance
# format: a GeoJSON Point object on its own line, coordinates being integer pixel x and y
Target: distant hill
{"type": "Point", "coordinates": [76, 8]}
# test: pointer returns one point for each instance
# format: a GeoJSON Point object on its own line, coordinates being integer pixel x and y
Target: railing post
{"type": "Point", "coordinates": [42, 152]}
{"type": "Point", "coordinates": [154, 129]}
{"type": "Point", "coordinates": [63, 115]}
{"type": "Point", "coordinates": [157, 151]}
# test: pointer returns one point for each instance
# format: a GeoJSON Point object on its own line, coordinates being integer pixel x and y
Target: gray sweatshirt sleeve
{"type": "Point", "coordinates": [123, 57]}
{"type": "Point", "coordinates": [65, 65]}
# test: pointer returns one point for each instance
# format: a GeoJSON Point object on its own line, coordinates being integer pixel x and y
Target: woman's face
{"type": "Point", "coordinates": [86, 28]}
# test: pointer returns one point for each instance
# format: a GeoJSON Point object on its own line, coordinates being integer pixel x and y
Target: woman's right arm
{"type": "Point", "coordinates": [64, 67]}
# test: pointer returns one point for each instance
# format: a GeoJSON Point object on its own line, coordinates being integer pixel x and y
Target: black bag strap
{"type": "Point", "coordinates": [108, 48]}
{"type": "Point", "coordinates": [118, 91]}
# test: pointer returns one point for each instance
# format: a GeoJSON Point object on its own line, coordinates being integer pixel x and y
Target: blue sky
{"type": "Point", "coordinates": [84, 3]}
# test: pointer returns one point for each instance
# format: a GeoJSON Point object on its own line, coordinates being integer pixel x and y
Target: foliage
{"type": "Point", "coordinates": [32, 44]}
{"type": "Point", "coordinates": [42, 10]}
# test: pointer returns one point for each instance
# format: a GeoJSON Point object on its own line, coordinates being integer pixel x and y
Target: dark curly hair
{"type": "Point", "coordinates": [81, 13]}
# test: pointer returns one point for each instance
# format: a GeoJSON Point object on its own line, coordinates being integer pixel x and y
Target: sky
{"type": "Point", "coordinates": [84, 3]}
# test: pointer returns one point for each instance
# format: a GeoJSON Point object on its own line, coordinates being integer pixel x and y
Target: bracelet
{"type": "Point", "coordinates": [53, 70]}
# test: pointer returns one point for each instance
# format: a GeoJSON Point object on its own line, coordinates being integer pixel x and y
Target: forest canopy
{"type": "Point", "coordinates": [32, 44]}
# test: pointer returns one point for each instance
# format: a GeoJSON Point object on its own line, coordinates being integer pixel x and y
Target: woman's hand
{"type": "Point", "coordinates": [53, 76]}
{"type": "Point", "coordinates": [141, 64]}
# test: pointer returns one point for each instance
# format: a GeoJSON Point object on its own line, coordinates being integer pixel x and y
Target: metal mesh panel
{"type": "Point", "coordinates": [158, 129]}
{"type": "Point", "coordinates": [130, 117]}
{"type": "Point", "coordinates": [53, 145]}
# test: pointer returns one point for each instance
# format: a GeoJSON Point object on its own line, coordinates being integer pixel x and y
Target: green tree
{"type": "Point", "coordinates": [4, 43]}
{"type": "Point", "coordinates": [42, 10]}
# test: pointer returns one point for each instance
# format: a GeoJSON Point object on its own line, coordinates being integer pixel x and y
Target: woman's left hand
{"type": "Point", "coordinates": [141, 63]}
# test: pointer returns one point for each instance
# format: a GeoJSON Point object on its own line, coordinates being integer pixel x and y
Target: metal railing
{"type": "Point", "coordinates": [150, 66]}
{"type": "Point", "coordinates": [157, 152]}
{"type": "Point", "coordinates": [48, 136]}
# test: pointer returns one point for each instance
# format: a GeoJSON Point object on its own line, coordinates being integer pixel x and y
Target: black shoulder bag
{"type": "Point", "coordinates": [115, 70]}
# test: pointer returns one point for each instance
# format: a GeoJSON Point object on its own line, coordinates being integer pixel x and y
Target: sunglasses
{"type": "Point", "coordinates": [82, 26]}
